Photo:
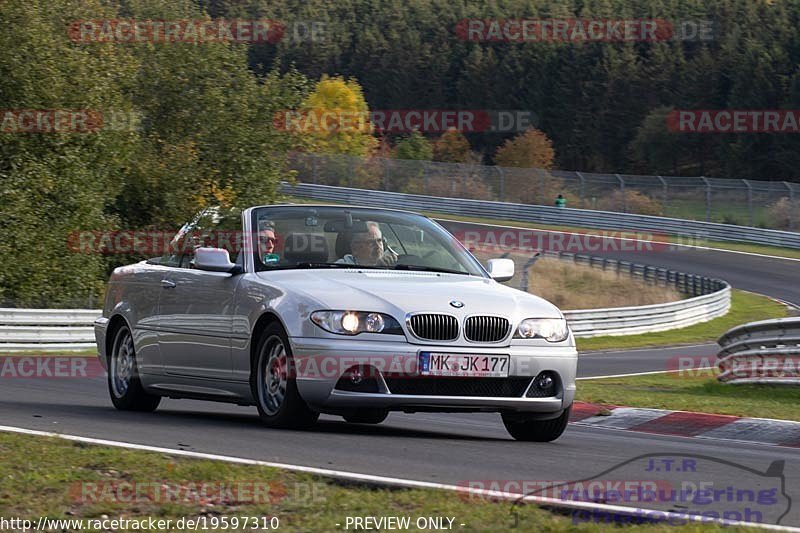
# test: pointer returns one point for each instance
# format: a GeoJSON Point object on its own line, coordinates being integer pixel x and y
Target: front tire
{"type": "Point", "coordinates": [274, 386]}
{"type": "Point", "coordinates": [537, 430]}
{"type": "Point", "coordinates": [124, 385]}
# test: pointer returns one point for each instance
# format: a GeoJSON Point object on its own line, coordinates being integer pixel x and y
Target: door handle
{"type": "Point", "coordinates": [167, 284]}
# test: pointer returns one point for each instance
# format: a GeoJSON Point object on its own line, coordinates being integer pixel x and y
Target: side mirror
{"type": "Point", "coordinates": [214, 260]}
{"type": "Point", "coordinates": [500, 269]}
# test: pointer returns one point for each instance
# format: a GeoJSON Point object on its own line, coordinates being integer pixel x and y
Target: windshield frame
{"type": "Point", "coordinates": [460, 252]}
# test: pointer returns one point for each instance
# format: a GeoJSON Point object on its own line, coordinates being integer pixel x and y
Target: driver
{"type": "Point", "coordinates": [368, 248]}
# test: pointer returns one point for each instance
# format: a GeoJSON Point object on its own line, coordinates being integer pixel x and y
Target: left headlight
{"type": "Point", "coordinates": [355, 322]}
{"type": "Point", "coordinates": [549, 329]}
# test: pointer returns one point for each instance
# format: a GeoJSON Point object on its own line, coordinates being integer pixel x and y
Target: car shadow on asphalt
{"type": "Point", "coordinates": [247, 419]}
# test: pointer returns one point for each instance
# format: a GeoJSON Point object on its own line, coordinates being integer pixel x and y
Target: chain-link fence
{"type": "Point", "coordinates": [767, 204]}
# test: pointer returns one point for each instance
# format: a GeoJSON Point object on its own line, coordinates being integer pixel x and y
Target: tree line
{"type": "Point", "coordinates": [188, 125]}
{"type": "Point", "coordinates": [604, 105]}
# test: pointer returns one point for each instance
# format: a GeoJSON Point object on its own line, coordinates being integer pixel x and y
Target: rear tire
{"type": "Point", "coordinates": [366, 416]}
{"type": "Point", "coordinates": [274, 387]}
{"type": "Point", "coordinates": [124, 386]}
{"type": "Point", "coordinates": [537, 430]}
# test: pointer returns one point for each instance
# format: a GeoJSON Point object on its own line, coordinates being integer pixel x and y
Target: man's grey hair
{"type": "Point", "coordinates": [265, 224]}
{"type": "Point", "coordinates": [368, 224]}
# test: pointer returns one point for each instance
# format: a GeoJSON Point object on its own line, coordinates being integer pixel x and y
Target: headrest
{"type": "Point", "coordinates": [343, 244]}
{"type": "Point", "coordinates": [306, 248]}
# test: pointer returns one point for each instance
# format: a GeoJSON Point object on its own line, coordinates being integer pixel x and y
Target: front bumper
{"type": "Point", "coordinates": [331, 358]}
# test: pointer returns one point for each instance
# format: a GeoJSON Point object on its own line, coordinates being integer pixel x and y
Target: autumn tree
{"type": "Point", "coordinates": [531, 149]}
{"type": "Point", "coordinates": [414, 146]}
{"type": "Point", "coordinates": [452, 147]}
{"type": "Point", "coordinates": [335, 118]}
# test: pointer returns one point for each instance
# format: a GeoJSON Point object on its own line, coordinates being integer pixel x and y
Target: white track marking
{"type": "Point", "coordinates": [650, 349]}
{"type": "Point", "coordinates": [647, 373]}
{"type": "Point", "coordinates": [400, 482]}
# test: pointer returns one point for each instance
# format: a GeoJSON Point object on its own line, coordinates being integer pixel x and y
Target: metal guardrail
{"type": "Point", "coordinates": [47, 329]}
{"type": "Point", "coordinates": [72, 329]}
{"type": "Point", "coordinates": [558, 216]}
{"type": "Point", "coordinates": [744, 202]}
{"type": "Point", "coordinates": [710, 299]}
{"type": "Point", "coordinates": [767, 351]}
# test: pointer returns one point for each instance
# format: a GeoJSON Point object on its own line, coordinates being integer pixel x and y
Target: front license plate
{"type": "Point", "coordinates": [463, 365]}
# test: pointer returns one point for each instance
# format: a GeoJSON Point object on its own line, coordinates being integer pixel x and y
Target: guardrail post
{"type": "Point", "coordinates": [523, 282]}
{"type": "Point", "coordinates": [665, 194]}
{"type": "Point", "coordinates": [708, 198]}
{"type": "Point", "coordinates": [749, 200]}
{"type": "Point", "coordinates": [502, 183]}
{"type": "Point", "coordinates": [622, 189]}
{"type": "Point", "coordinates": [583, 186]}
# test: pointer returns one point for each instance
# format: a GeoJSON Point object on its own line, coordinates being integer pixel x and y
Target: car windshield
{"type": "Point", "coordinates": [295, 237]}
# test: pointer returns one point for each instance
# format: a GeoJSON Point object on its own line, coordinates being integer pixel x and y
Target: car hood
{"type": "Point", "coordinates": [399, 293]}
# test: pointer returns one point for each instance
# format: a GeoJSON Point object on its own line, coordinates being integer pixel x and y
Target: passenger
{"type": "Point", "coordinates": [266, 243]}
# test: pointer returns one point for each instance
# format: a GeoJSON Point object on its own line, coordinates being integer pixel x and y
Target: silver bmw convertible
{"type": "Point", "coordinates": [356, 312]}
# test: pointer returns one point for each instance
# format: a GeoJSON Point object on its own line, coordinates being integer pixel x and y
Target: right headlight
{"type": "Point", "coordinates": [549, 329]}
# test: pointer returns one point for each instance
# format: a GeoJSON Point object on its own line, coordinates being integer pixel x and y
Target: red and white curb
{"type": "Point", "coordinates": [688, 424]}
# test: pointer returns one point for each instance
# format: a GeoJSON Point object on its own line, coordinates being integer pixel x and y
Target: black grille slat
{"type": "Point", "coordinates": [486, 328]}
{"type": "Point", "coordinates": [434, 327]}
{"type": "Point", "coordinates": [513, 387]}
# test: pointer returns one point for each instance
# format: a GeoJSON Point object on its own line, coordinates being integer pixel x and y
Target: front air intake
{"type": "Point", "coordinates": [432, 327]}
{"type": "Point", "coordinates": [486, 328]}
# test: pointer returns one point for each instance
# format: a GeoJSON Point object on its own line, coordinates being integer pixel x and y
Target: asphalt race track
{"type": "Point", "coordinates": [778, 278]}
{"type": "Point", "coordinates": [443, 448]}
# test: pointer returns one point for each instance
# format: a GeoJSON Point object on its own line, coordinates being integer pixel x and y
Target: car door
{"type": "Point", "coordinates": [196, 307]}
{"type": "Point", "coordinates": [135, 291]}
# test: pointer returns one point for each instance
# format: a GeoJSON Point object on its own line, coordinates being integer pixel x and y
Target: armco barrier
{"type": "Point", "coordinates": [71, 329]}
{"type": "Point", "coordinates": [47, 329]}
{"type": "Point", "coordinates": [545, 214]}
{"type": "Point", "coordinates": [710, 299]}
{"type": "Point", "coordinates": [761, 352]}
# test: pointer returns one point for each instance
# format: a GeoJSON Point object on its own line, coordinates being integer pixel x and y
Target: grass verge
{"type": "Point", "coordinates": [64, 480]}
{"type": "Point", "coordinates": [697, 391]}
{"type": "Point", "coordinates": [745, 307]}
{"type": "Point", "coordinates": [570, 285]}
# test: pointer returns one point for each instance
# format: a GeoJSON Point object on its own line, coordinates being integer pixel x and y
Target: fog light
{"type": "Point", "coordinates": [359, 378]}
{"type": "Point", "coordinates": [545, 385]}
